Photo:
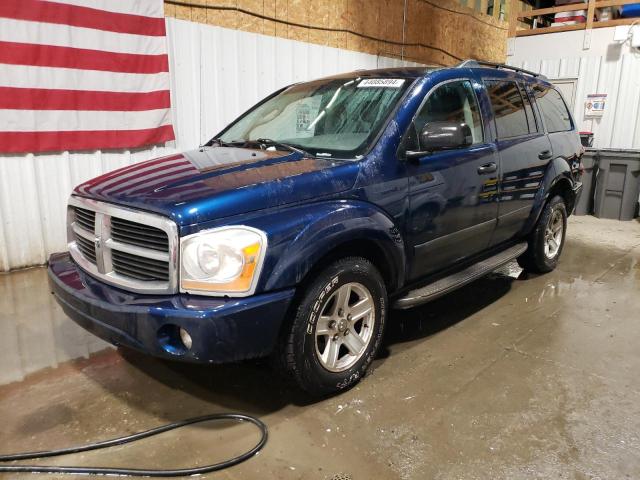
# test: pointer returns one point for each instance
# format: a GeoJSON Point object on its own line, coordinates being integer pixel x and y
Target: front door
{"type": "Point", "coordinates": [453, 207]}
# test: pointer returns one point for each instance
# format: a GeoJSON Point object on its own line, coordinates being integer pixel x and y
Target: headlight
{"type": "Point", "coordinates": [222, 261]}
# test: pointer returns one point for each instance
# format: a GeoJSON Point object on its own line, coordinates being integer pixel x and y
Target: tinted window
{"type": "Point", "coordinates": [508, 109]}
{"type": "Point", "coordinates": [555, 113]}
{"type": "Point", "coordinates": [451, 102]}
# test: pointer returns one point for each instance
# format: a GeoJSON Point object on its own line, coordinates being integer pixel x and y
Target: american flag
{"type": "Point", "coordinates": [83, 75]}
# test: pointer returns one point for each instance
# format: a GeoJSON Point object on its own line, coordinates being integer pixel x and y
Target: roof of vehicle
{"type": "Point", "coordinates": [499, 66]}
{"type": "Point", "coordinates": [415, 72]}
{"type": "Point", "coordinates": [394, 72]}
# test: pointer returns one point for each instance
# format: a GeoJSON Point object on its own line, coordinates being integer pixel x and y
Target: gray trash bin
{"type": "Point", "coordinates": [584, 206]}
{"type": "Point", "coordinates": [617, 184]}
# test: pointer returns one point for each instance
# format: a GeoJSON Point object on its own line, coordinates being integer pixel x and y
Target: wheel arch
{"type": "Point", "coordinates": [553, 184]}
{"type": "Point", "coordinates": [563, 188]}
{"type": "Point", "coordinates": [337, 230]}
{"type": "Point", "coordinates": [359, 247]}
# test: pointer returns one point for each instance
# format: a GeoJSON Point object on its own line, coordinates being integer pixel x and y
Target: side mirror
{"type": "Point", "coordinates": [442, 136]}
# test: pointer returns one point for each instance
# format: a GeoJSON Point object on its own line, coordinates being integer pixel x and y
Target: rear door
{"type": "Point", "coordinates": [524, 150]}
{"type": "Point", "coordinates": [560, 127]}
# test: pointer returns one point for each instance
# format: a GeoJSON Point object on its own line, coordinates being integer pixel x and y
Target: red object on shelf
{"type": "Point", "coordinates": [569, 18]}
{"type": "Point", "coordinates": [576, 18]}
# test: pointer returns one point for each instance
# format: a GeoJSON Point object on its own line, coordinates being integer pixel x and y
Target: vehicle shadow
{"type": "Point", "coordinates": [253, 386]}
{"type": "Point", "coordinates": [433, 317]}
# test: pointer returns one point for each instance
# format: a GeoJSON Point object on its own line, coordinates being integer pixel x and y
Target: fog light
{"type": "Point", "coordinates": [186, 338]}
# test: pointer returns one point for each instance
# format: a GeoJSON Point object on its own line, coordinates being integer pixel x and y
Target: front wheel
{"type": "Point", "coordinates": [337, 328]}
{"type": "Point", "coordinates": [547, 239]}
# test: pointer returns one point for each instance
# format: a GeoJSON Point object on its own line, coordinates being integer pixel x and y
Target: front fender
{"type": "Point", "coordinates": [300, 237]}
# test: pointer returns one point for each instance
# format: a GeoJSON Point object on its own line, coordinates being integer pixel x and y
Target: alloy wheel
{"type": "Point", "coordinates": [553, 234]}
{"type": "Point", "coordinates": [345, 327]}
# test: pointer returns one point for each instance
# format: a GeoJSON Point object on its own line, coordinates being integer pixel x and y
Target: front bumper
{"type": "Point", "coordinates": [222, 329]}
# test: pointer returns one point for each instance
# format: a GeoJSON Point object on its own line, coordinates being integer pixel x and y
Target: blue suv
{"type": "Point", "coordinates": [296, 229]}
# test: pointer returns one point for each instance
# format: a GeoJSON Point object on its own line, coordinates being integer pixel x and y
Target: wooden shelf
{"type": "Point", "coordinates": [547, 11]}
{"type": "Point", "coordinates": [573, 7]}
{"type": "Point", "coordinates": [614, 3]}
{"type": "Point", "coordinates": [590, 6]}
{"type": "Point", "coordinates": [542, 30]}
{"type": "Point", "coordinates": [581, 26]}
{"type": "Point", "coordinates": [616, 22]}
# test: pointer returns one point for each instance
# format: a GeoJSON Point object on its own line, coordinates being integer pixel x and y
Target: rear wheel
{"type": "Point", "coordinates": [547, 239]}
{"type": "Point", "coordinates": [337, 328]}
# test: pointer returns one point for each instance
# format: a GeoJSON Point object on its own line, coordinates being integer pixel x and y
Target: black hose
{"type": "Point", "coordinates": [132, 438]}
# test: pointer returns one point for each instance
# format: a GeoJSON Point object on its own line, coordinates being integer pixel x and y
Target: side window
{"type": "Point", "coordinates": [453, 102]}
{"type": "Point", "coordinates": [555, 113]}
{"type": "Point", "coordinates": [508, 109]}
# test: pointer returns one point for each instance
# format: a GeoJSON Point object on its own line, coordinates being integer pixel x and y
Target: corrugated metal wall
{"type": "Point", "coordinates": [619, 78]}
{"type": "Point", "coordinates": [33, 196]}
{"type": "Point", "coordinates": [216, 74]}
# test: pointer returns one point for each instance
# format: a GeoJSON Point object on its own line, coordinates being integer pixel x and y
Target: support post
{"type": "Point", "coordinates": [513, 17]}
{"type": "Point", "coordinates": [591, 12]}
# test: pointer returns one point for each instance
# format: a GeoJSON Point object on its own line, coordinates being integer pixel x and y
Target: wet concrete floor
{"type": "Point", "coordinates": [510, 377]}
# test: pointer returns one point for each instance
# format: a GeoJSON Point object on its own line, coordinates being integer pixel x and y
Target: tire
{"type": "Point", "coordinates": [322, 308]}
{"type": "Point", "coordinates": [546, 242]}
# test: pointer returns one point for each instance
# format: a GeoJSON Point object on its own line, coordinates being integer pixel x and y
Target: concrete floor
{"type": "Point", "coordinates": [508, 378]}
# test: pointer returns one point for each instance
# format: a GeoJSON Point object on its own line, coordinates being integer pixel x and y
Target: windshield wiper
{"type": "Point", "coordinates": [272, 143]}
{"type": "Point", "coordinates": [217, 141]}
{"type": "Point", "coordinates": [263, 142]}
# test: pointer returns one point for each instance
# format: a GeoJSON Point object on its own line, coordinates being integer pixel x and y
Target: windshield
{"type": "Point", "coordinates": [333, 118]}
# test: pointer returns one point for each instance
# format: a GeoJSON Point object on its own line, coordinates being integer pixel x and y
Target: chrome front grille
{"type": "Point", "coordinates": [135, 266]}
{"type": "Point", "coordinates": [136, 234]}
{"type": "Point", "coordinates": [133, 250]}
{"type": "Point", "coordinates": [87, 247]}
{"type": "Point", "coordinates": [85, 218]}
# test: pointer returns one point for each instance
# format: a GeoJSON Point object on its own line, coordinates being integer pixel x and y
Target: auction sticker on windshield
{"type": "Point", "coordinates": [381, 82]}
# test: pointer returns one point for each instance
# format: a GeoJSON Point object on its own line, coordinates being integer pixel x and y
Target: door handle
{"type": "Point", "coordinates": [487, 168]}
{"type": "Point", "coordinates": [545, 155]}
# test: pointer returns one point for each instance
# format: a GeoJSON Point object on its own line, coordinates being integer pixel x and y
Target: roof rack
{"type": "Point", "coordinates": [480, 63]}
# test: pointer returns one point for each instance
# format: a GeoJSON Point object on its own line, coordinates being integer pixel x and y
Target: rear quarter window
{"type": "Point", "coordinates": [554, 110]}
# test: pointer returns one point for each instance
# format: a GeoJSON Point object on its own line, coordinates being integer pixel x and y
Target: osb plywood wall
{"type": "Point", "coordinates": [435, 31]}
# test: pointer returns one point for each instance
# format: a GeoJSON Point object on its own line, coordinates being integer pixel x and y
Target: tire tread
{"type": "Point", "coordinates": [285, 354]}
{"type": "Point", "coordinates": [534, 259]}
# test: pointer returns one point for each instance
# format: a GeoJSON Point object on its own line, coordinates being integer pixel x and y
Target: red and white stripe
{"type": "Point", "coordinates": [83, 74]}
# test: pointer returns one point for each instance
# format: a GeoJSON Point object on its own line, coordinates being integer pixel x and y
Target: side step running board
{"type": "Point", "coordinates": [447, 284]}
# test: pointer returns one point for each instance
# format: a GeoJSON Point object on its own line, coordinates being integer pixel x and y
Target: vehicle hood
{"type": "Point", "coordinates": [215, 182]}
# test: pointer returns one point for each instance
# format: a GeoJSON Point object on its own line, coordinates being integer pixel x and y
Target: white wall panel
{"type": "Point", "coordinates": [33, 196]}
{"type": "Point", "coordinates": [216, 74]}
{"type": "Point", "coordinates": [607, 67]}
{"type": "Point", "coordinates": [628, 100]}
